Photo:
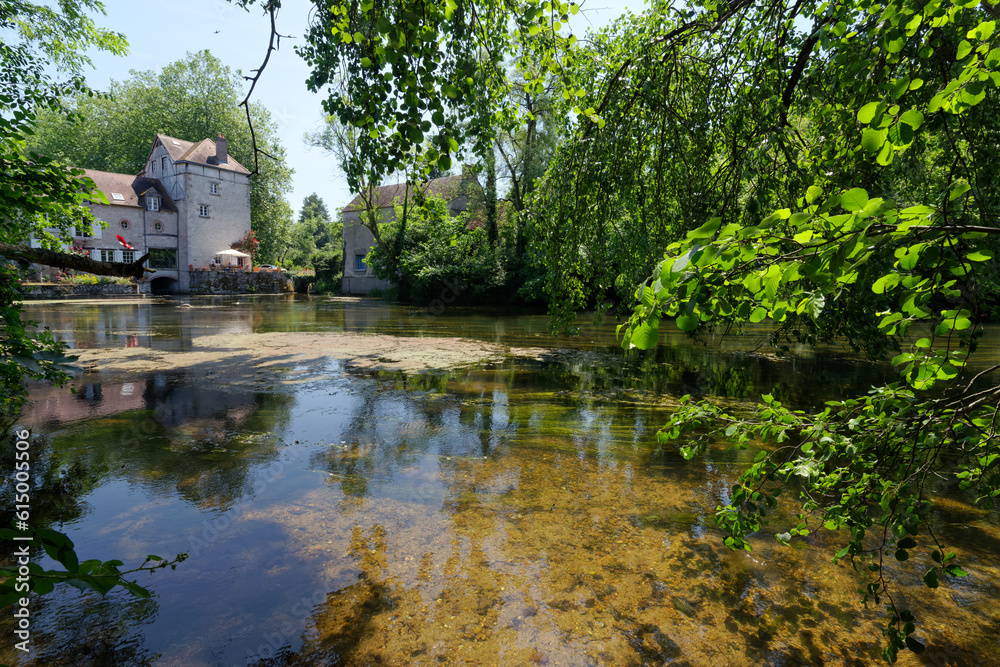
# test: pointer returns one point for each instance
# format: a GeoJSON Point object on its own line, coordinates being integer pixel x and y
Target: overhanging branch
{"type": "Point", "coordinates": [65, 260]}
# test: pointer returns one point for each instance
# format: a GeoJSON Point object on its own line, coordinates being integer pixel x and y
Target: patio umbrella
{"type": "Point", "coordinates": [230, 257]}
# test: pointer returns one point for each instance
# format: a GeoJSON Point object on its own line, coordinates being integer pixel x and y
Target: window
{"type": "Point", "coordinates": [128, 256]}
{"type": "Point", "coordinates": [213, 188]}
{"type": "Point", "coordinates": [359, 264]}
{"type": "Point", "coordinates": [153, 203]}
{"type": "Point", "coordinates": [84, 231]}
{"type": "Point", "coordinates": [163, 258]}
{"type": "Point", "coordinates": [163, 164]}
{"type": "Point", "coordinates": [152, 168]}
{"type": "Point", "coordinates": [203, 211]}
{"type": "Point", "coordinates": [124, 224]}
{"type": "Point", "coordinates": [158, 226]}
{"type": "Point", "coordinates": [117, 196]}
{"type": "Point", "coordinates": [107, 255]}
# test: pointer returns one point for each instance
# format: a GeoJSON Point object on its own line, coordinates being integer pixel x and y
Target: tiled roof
{"type": "Point", "coordinates": [447, 188]}
{"type": "Point", "coordinates": [202, 152]}
{"type": "Point", "coordinates": [130, 187]}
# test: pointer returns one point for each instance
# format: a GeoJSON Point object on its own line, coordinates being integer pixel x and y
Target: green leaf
{"type": "Point", "coordinates": [931, 578]}
{"type": "Point", "coordinates": [854, 199]}
{"type": "Point", "coordinates": [645, 336]}
{"type": "Point", "coordinates": [913, 118]}
{"type": "Point", "coordinates": [901, 134]}
{"type": "Point", "coordinates": [706, 230]}
{"type": "Point", "coordinates": [964, 49]}
{"type": "Point", "coordinates": [886, 283]}
{"type": "Point", "coordinates": [872, 140]}
{"type": "Point", "coordinates": [980, 255]}
{"type": "Point", "coordinates": [867, 113]}
{"type": "Point", "coordinates": [687, 322]}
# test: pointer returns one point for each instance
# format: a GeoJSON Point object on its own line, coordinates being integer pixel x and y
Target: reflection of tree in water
{"type": "Point", "coordinates": [701, 371]}
{"type": "Point", "coordinates": [396, 423]}
{"type": "Point", "coordinates": [70, 629]}
{"type": "Point", "coordinates": [552, 517]}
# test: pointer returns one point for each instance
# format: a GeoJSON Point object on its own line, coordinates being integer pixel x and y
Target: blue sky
{"type": "Point", "coordinates": [164, 31]}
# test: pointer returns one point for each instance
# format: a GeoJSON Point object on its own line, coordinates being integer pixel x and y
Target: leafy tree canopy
{"type": "Point", "coordinates": [418, 79]}
{"type": "Point", "coordinates": [315, 234]}
{"type": "Point", "coordinates": [835, 181]}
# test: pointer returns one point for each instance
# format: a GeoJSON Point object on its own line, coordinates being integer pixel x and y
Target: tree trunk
{"type": "Point", "coordinates": [492, 232]}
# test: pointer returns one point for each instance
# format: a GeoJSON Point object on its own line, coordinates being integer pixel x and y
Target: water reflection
{"type": "Point", "coordinates": [519, 513]}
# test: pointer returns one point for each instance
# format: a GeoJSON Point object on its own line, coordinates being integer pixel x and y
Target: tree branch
{"type": "Point", "coordinates": [272, 10]}
{"type": "Point", "coordinates": [65, 260]}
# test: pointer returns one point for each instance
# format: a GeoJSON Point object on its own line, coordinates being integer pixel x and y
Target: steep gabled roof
{"type": "Point", "coordinates": [447, 188]}
{"type": "Point", "coordinates": [130, 187]}
{"type": "Point", "coordinates": [202, 152]}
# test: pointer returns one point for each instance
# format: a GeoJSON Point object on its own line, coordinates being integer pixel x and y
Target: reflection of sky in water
{"type": "Point", "coordinates": [521, 513]}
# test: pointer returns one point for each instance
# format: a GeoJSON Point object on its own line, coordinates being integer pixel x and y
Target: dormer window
{"type": "Point", "coordinates": [152, 203]}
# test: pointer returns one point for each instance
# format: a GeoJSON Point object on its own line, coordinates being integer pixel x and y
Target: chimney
{"type": "Point", "coordinates": [221, 149]}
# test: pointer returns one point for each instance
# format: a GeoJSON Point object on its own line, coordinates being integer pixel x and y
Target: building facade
{"type": "Point", "coordinates": [189, 201]}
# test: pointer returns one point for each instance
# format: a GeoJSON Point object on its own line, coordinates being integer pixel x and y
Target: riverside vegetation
{"type": "Point", "coordinates": [824, 166]}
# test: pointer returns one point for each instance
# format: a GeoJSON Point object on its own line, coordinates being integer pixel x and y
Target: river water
{"type": "Point", "coordinates": [515, 512]}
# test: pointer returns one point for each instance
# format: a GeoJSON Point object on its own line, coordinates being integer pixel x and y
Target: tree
{"type": "Point", "coordinates": [315, 234]}
{"type": "Point", "coordinates": [879, 151]}
{"type": "Point", "coordinates": [440, 255]}
{"type": "Point", "coordinates": [417, 79]}
{"type": "Point", "coordinates": [38, 193]}
{"type": "Point", "coordinates": [192, 99]}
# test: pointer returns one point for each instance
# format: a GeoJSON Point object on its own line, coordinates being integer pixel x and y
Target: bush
{"type": "Point", "coordinates": [91, 279]}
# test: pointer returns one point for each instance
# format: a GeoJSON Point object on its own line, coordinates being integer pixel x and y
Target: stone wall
{"type": "Point", "coordinates": [51, 291]}
{"type": "Point", "coordinates": [239, 282]}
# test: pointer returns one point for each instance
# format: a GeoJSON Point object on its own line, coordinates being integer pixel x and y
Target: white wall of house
{"type": "Point", "coordinates": [358, 240]}
{"type": "Point", "coordinates": [213, 208]}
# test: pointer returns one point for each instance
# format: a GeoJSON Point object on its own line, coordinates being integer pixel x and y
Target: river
{"type": "Point", "coordinates": [512, 511]}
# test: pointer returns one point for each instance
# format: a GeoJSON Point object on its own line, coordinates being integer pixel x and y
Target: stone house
{"type": "Point", "coordinates": [458, 191]}
{"type": "Point", "coordinates": [188, 202]}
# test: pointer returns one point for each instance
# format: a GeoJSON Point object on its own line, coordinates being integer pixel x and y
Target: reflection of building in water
{"type": "Point", "coordinates": [170, 434]}
{"type": "Point", "coordinates": [174, 404]}
{"type": "Point", "coordinates": [94, 399]}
